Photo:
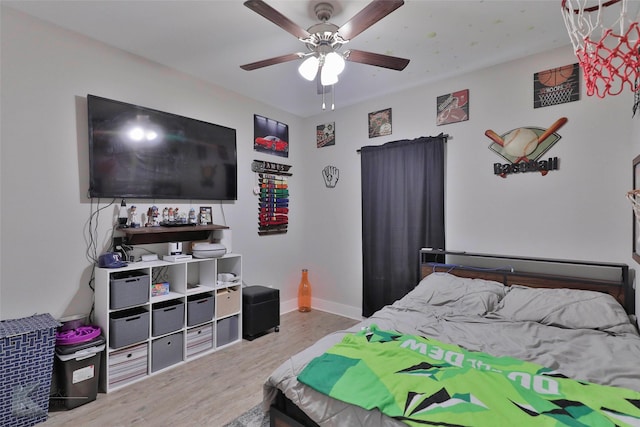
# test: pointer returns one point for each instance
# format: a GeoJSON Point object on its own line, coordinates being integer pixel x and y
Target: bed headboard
{"type": "Point", "coordinates": [534, 272]}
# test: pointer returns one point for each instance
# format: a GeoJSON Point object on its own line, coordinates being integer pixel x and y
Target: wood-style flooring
{"type": "Point", "coordinates": [209, 391]}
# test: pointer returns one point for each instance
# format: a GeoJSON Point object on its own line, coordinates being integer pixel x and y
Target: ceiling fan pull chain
{"type": "Point", "coordinates": [323, 105]}
{"type": "Point", "coordinates": [333, 97]}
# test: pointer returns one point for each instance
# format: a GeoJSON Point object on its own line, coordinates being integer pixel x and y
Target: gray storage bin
{"type": "Point", "coordinates": [200, 309]}
{"type": "Point", "coordinates": [128, 288]}
{"type": "Point", "coordinates": [167, 316]}
{"type": "Point", "coordinates": [166, 351]}
{"type": "Point", "coordinates": [128, 327]}
{"type": "Point", "coordinates": [227, 330]}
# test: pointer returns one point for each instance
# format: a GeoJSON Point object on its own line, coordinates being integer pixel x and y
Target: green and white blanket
{"type": "Point", "coordinates": [425, 382]}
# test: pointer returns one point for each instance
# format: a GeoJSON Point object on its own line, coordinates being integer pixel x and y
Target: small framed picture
{"type": "Point", "coordinates": [270, 136]}
{"type": "Point", "coordinates": [380, 123]}
{"type": "Point", "coordinates": [452, 107]}
{"type": "Point", "coordinates": [556, 86]}
{"type": "Point", "coordinates": [205, 217]}
{"type": "Point", "coordinates": [326, 134]}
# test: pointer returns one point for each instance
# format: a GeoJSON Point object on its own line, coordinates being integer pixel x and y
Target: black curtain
{"type": "Point", "coordinates": [402, 212]}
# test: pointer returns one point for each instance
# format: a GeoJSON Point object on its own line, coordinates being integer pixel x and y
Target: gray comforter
{"type": "Point", "coordinates": [583, 335]}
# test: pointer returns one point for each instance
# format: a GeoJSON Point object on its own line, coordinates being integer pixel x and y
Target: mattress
{"type": "Point", "coordinates": [582, 335]}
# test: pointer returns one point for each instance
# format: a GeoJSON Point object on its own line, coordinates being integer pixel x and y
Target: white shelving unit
{"type": "Point", "coordinates": [198, 316]}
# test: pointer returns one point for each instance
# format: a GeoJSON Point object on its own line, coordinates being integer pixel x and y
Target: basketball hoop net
{"type": "Point", "coordinates": [634, 198]}
{"type": "Point", "coordinates": [606, 43]}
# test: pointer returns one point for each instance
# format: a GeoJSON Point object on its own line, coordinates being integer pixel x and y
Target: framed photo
{"type": "Point", "coordinates": [452, 107]}
{"type": "Point", "coordinates": [326, 134]}
{"type": "Point", "coordinates": [270, 136]}
{"type": "Point", "coordinates": [556, 86]}
{"type": "Point", "coordinates": [205, 217]}
{"type": "Point", "coordinates": [636, 229]}
{"type": "Point", "coordinates": [380, 123]}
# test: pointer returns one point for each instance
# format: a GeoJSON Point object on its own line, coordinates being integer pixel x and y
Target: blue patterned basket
{"type": "Point", "coordinates": [27, 347]}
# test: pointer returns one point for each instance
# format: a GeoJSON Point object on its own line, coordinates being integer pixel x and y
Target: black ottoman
{"type": "Point", "coordinates": [260, 311]}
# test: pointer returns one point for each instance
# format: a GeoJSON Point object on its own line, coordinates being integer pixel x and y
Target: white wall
{"type": "Point", "coordinates": [46, 74]}
{"type": "Point", "coordinates": [576, 212]}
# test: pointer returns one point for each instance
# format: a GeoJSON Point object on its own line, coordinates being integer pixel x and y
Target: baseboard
{"type": "Point", "coordinates": [326, 306]}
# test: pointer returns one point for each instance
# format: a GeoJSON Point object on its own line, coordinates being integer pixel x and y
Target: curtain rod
{"type": "Point", "coordinates": [446, 137]}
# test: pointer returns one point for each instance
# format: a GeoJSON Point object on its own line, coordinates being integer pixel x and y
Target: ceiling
{"type": "Point", "coordinates": [211, 39]}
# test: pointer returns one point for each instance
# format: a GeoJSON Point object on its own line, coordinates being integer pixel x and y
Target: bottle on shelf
{"type": "Point", "coordinates": [304, 292]}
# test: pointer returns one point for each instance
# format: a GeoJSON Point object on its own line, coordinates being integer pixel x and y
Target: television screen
{"type": "Point", "coordinates": [137, 152]}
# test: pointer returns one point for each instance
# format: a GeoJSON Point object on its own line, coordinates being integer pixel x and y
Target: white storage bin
{"type": "Point", "coordinates": [228, 301]}
{"type": "Point", "coordinates": [199, 339]}
{"type": "Point", "coordinates": [128, 364]}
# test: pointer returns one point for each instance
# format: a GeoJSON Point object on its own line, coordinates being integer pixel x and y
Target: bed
{"type": "Point", "coordinates": [576, 319]}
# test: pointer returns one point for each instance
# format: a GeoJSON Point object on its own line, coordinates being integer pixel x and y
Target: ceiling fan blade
{"type": "Point", "coordinates": [263, 9]}
{"type": "Point", "coordinates": [372, 13]}
{"type": "Point", "coordinates": [379, 60]}
{"type": "Point", "coordinates": [271, 61]}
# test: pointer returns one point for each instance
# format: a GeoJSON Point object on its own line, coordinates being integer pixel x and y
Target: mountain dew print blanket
{"type": "Point", "coordinates": [538, 338]}
{"type": "Point", "coordinates": [424, 382]}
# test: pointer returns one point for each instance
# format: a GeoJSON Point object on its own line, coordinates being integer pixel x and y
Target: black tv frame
{"type": "Point", "coordinates": [196, 161]}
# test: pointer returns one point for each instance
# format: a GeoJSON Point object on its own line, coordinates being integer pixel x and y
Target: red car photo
{"type": "Point", "coordinates": [272, 143]}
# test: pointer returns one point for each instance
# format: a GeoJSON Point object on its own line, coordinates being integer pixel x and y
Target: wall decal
{"type": "Point", "coordinates": [270, 136]}
{"type": "Point", "coordinates": [556, 86]}
{"type": "Point", "coordinates": [273, 197]}
{"type": "Point", "coordinates": [270, 167]}
{"type": "Point", "coordinates": [523, 147]}
{"type": "Point", "coordinates": [326, 134]}
{"type": "Point", "coordinates": [273, 217]}
{"type": "Point", "coordinates": [452, 107]}
{"type": "Point", "coordinates": [380, 123]}
{"type": "Point", "coordinates": [330, 175]}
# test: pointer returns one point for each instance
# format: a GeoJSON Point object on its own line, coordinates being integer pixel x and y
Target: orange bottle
{"type": "Point", "coordinates": [304, 293]}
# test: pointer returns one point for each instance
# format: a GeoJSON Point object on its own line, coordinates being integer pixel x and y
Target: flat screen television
{"type": "Point", "coordinates": [141, 153]}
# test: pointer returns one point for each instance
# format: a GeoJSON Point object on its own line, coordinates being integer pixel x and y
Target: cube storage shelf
{"type": "Point", "coordinates": [147, 334]}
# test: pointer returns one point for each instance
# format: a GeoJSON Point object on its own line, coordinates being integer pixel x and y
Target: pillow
{"type": "Point", "coordinates": [468, 296]}
{"type": "Point", "coordinates": [566, 308]}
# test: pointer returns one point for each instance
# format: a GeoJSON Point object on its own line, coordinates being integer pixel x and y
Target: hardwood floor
{"type": "Point", "coordinates": [209, 391]}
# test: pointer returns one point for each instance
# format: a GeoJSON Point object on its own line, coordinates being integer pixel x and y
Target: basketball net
{"type": "Point", "coordinates": [606, 42]}
{"type": "Point", "coordinates": [634, 198]}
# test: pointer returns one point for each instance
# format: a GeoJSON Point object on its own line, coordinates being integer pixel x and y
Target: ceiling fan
{"type": "Point", "coordinates": [324, 39]}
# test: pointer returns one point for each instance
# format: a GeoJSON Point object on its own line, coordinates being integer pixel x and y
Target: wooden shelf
{"type": "Point", "coordinates": [146, 235]}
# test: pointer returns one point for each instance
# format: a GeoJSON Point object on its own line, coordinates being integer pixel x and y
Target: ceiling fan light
{"type": "Point", "coordinates": [328, 77]}
{"type": "Point", "coordinates": [309, 68]}
{"type": "Point", "coordinates": [335, 62]}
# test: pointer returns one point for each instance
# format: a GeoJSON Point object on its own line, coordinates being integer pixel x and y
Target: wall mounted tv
{"type": "Point", "coordinates": [138, 152]}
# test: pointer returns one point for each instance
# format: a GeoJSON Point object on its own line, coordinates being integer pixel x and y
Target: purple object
{"type": "Point", "coordinates": [78, 335]}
